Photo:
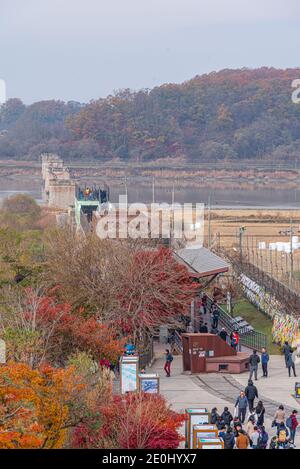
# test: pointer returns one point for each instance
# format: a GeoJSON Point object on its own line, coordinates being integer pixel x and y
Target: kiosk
{"type": "Point", "coordinates": [129, 366]}
{"type": "Point", "coordinates": [198, 416]}
{"type": "Point", "coordinates": [203, 431]}
{"type": "Point", "coordinates": [210, 443]}
{"type": "Point", "coordinates": [149, 383]}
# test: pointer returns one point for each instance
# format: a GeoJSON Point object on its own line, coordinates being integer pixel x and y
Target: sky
{"type": "Point", "coordinates": [86, 49]}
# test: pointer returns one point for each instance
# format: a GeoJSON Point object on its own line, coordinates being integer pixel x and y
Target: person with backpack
{"type": "Point", "coordinates": [228, 439]}
{"type": "Point", "coordinates": [283, 428]}
{"type": "Point", "coordinates": [169, 359]}
{"type": "Point", "coordinates": [263, 438]}
{"type": "Point", "coordinates": [251, 393]}
{"type": "Point", "coordinates": [253, 362]}
{"type": "Point", "coordinates": [227, 417]}
{"type": "Point", "coordinates": [260, 413]}
{"type": "Point", "coordinates": [242, 405]}
{"type": "Point", "coordinates": [292, 424]}
{"type": "Point", "coordinates": [264, 362]}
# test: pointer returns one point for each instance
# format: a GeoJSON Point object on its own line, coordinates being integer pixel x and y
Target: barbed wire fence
{"type": "Point", "coordinates": [275, 270]}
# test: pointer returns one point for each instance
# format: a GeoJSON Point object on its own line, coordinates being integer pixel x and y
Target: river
{"type": "Point", "coordinates": [141, 191]}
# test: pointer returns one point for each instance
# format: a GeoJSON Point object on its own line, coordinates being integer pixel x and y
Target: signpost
{"type": "Point", "coordinates": [149, 383]}
{"type": "Point", "coordinates": [129, 366]}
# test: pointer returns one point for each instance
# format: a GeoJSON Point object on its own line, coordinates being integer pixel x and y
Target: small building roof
{"type": "Point", "coordinates": [201, 262]}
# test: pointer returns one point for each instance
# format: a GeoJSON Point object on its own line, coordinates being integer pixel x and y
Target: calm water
{"type": "Point", "coordinates": [137, 192]}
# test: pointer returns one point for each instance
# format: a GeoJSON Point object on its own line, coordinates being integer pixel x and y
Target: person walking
{"type": "Point", "coordinates": [254, 438]}
{"type": "Point", "coordinates": [223, 334]}
{"type": "Point", "coordinates": [215, 317]}
{"type": "Point", "coordinates": [260, 414]}
{"type": "Point", "coordinates": [242, 405]}
{"type": "Point", "coordinates": [290, 363]}
{"type": "Point", "coordinates": [234, 339]}
{"type": "Point", "coordinates": [287, 349]}
{"type": "Point", "coordinates": [253, 362]}
{"type": "Point", "coordinates": [292, 424]}
{"type": "Point", "coordinates": [251, 393]}
{"type": "Point", "coordinates": [228, 439]}
{"type": "Point", "coordinates": [264, 362]}
{"type": "Point", "coordinates": [214, 416]}
{"type": "Point", "coordinates": [204, 303]}
{"type": "Point", "coordinates": [242, 441]}
{"type": "Point", "coordinates": [250, 426]}
{"type": "Point", "coordinates": [279, 417]}
{"type": "Point", "coordinates": [263, 438]}
{"type": "Point", "coordinates": [169, 359]}
{"type": "Point", "coordinates": [226, 417]}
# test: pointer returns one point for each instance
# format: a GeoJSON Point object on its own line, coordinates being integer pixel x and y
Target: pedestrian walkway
{"type": "Point", "coordinates": [216, 390]}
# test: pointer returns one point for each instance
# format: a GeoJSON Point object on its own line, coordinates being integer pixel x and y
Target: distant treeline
{"type": "Point", "coordinates": [229, 115]}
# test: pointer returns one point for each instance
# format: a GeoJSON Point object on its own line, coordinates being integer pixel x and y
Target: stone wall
{"type": "Point", "coordinates": [58, 187]}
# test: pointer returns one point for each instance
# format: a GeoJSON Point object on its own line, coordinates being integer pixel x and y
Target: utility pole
{"type": "Point", "coordinates": [172, 218]}
{"type": "Point", "coordinates": [209, 227]}
{"type": "Point", "coordinates": [241, 232]}
{"type": "Point", "coordinates": [291, 254]}
{"type": "Point", "coordinates": [153, 190]}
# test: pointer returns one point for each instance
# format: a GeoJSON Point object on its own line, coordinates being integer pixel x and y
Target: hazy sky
{"type": "Point", "coordinates": [85, 49]}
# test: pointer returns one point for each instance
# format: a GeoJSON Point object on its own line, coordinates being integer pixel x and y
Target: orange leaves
{"type": "Point", "coordinates": [34, 405]}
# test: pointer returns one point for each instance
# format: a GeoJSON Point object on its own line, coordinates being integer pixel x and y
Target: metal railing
{"type": "Point", "coordinates": [177, 344]}
{"type": "Point", "coordinates": [248, 337]}
{"type": "Point", "coordinates": [146, 356]}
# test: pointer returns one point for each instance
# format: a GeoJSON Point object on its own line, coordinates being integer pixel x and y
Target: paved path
{"type": "Point", "coordinates": [216, 390]}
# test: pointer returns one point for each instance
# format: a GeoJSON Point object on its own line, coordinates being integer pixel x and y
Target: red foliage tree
{"type": "Point", "coordinates": [137, 420]}
{"type": "Point", "coordinates": [155, 290]}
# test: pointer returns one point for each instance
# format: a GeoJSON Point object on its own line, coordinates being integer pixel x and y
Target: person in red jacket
{"type": "Point", "coordinates": [234, 337]}
{"type": "Point", "coordinates": [292, 424]}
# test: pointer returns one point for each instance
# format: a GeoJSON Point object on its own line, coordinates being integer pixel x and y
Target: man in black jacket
{"type": "Point", "coordinates": [251, 393]}
{"type": "Point", "coordinates": [253, 362]}
{"type": "Point", "coordinates": [226, 417]}
{"type": "Point", "coordinates": [223, 334]}
{"type": "Point", "coordinates": [228, 439]}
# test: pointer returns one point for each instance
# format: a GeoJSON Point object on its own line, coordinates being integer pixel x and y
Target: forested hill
{"type": "Point", "coordinates": [231, 115]}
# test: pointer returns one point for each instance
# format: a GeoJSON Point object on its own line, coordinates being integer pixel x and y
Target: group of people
{"type": "Point", "coordinates": [254, 360]}
{"type": "Point", "coordinates": [214, 313]}
{"type": "Point", "coordinates": [238, 434]}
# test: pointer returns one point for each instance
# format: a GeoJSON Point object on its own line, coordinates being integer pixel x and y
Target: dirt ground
{"type": "Point", "coordinates": [268, 226]}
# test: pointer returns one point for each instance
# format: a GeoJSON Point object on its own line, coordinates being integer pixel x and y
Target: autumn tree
{"type": "Point", "coordinates": [35, 405]}
{"type": "Point", "coordinates": [129, 287]}
{"type": "Point", "coordinates": [134, 421]}
{"type": "Point", "coordinates": [38, 328]}
{"type": "Point", "coordinates": [20, 212]}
